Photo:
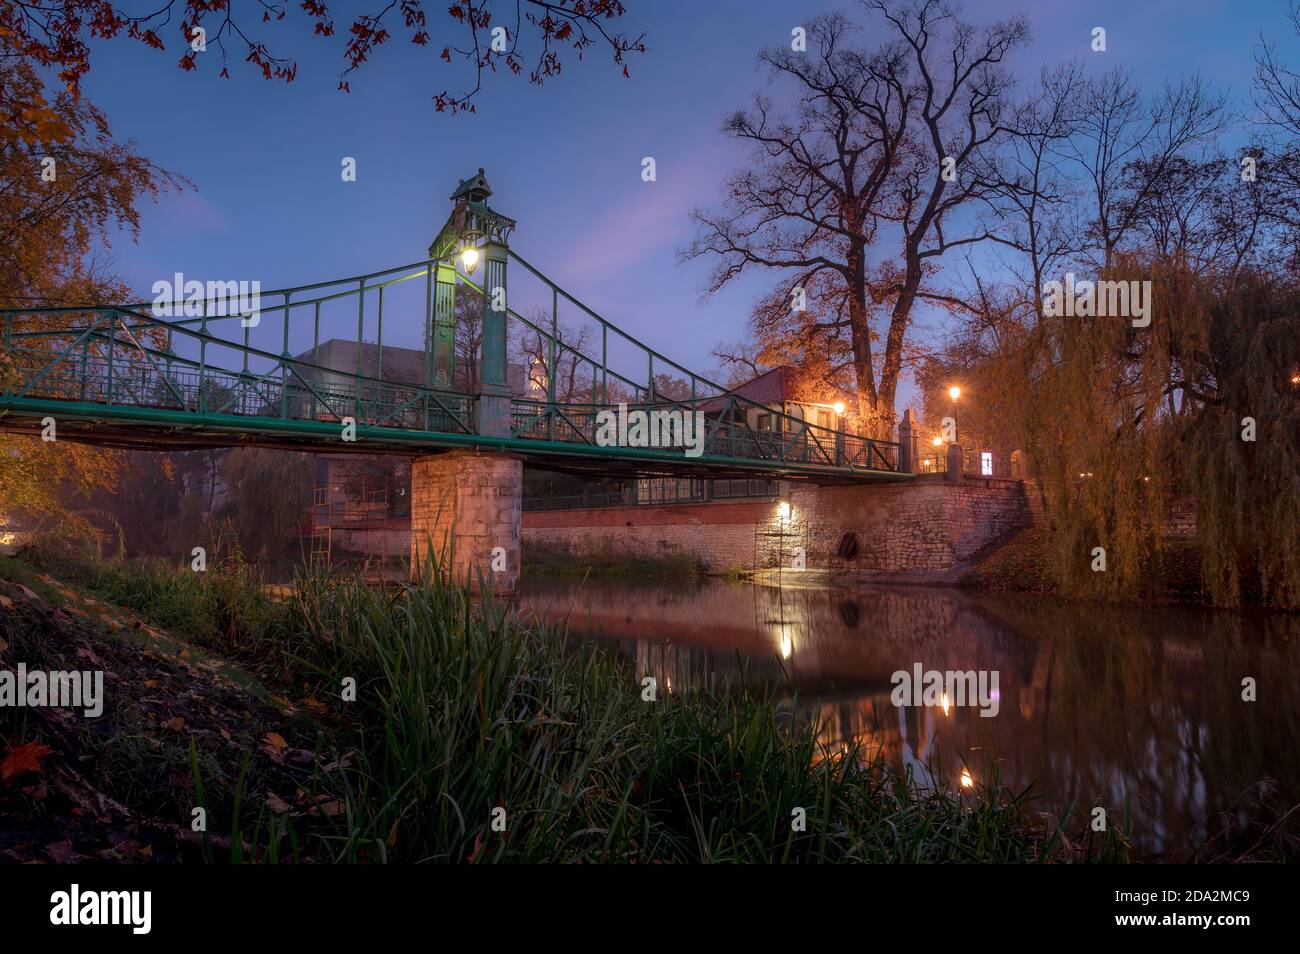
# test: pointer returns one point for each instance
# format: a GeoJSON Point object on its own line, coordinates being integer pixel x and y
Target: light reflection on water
{"type": "Point", "coordinates": [1135, 709]}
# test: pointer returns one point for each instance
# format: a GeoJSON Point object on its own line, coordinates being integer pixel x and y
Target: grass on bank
{"type": "Point", "coordinates": [463, 716]}
{"type": "Point", "coordinates": [222, 608]}
{"type": "Point", "coordinates": [118, 787]}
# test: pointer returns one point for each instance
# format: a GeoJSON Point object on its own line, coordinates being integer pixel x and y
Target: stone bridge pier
{"type": "Point", "coordinates": [466, 504]}
{"type": "Point", "coordinates": [465, 512]}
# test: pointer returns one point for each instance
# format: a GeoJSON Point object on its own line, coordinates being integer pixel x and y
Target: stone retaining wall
{"type": "Point", "coordinates": [719, 535]}
{"type": "Point", "coordinates": [926, 525]}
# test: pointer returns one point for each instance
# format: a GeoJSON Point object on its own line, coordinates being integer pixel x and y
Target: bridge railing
{"type": "Point", "coordinates": [126, 358]}
{"type": "Point", "coordinates": [727, 433]}
{"type": "Point", "coordinates": [214, 364]}
{"type": "Point", "coordinates": [732, 430]}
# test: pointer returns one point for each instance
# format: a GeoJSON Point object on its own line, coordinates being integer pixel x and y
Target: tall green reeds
{"type": "Point", "coordinates": [463, 714]}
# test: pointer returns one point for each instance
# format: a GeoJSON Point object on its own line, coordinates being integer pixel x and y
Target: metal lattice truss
{"type": "Point", "coordinates": [121, 375]}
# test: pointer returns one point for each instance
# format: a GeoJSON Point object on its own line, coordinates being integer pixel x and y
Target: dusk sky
{"type": "Point", "coordinates": [564, 160]}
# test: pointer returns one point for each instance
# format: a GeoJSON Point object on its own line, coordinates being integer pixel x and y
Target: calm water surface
{"type": "Point", "coordinates": [1131, 707]}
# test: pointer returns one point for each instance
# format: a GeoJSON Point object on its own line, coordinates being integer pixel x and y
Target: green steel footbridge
{"type": "Point", "coordinates": [410, 360]}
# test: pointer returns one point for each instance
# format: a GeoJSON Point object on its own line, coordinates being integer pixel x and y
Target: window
{"type": "Point", "coordinates": [744, 488]}
{"type": "Point", "coordinates": [667, 490]}
{"type": "Point", "coordinates": [986, 463]}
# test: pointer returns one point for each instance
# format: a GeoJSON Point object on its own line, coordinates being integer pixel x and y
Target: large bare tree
{"type": "Point", "coordinates": [1129, 148]}
{"type": "Point", "coordinates": [879, 147]}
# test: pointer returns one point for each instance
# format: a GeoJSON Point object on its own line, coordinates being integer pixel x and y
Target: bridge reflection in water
{"type": "Point", "coordinates": [1131, 708]}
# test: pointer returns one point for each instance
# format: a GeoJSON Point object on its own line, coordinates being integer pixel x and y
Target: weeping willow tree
{"type": "Point", "coordinates": [1121, 422]}
{"type": "Point", "coordinates": [1098, 426]}
{"type": "Point", "coordinates": [1247, 491]}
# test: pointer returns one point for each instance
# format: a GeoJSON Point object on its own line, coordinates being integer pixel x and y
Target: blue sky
{"type": "Point", "coordinates": [564, 160]}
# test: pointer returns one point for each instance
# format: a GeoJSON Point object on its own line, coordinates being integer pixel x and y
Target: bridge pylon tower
{"type": "Point", "coordinates": [466, 505]}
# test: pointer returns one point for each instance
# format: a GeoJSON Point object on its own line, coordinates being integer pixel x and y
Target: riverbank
{"type": "Point", "coordinates": [1018, 564]}
{"type": "Point", "coordinates": [542, 560]}
{"type": "Point", "coordinates": [1021, 565]}
{"type": "Point", "coordinates": [348, 724]}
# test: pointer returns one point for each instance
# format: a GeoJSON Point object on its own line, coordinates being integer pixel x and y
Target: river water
{"type": "Point", "coordinates": [1139, 710]}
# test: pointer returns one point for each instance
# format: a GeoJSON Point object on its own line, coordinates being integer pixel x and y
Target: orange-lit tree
{"type": "Point", "coordinates": [65, 187]}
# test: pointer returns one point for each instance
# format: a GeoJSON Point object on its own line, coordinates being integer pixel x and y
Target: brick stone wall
{"type": "Point", "coordinates": [719, 535]}
{"type": "Point", "coordinates": [475, 498]}
{"type": "Point", "coordinates": [393, 541]}
{"type": "Point", "coordinates": [927, 525]}
{"type": "Point", "coordinates": [1034, 499]}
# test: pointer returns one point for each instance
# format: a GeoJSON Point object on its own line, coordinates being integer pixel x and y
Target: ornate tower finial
{"type": "Point", "coordinates": [473, 189]}
{"type": "Point", "coordinates": [471, 221]}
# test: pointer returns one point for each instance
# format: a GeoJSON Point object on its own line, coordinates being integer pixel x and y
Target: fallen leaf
{"type": "Point", "coordinates": [176, 724]}
{"type": "Point", "coordinates": [315, 705]}
{"type": "Point", "coordinates": [324, 805]}
{"type": "Point", "coordinates": [6, 602]}
{"type": "Point", "coordinates": [25, 758]}
{"type": "Point", "coordinates": [275, 745]}
{"type": "Point", "coordinates": [151, 683]}
{"type": "Point", "coordinates": [344, 763]}
{"type": "Point", "coordinates": [62, 853]}
{"type": "Point", "coordinates": [120, 849]}
{"type": "Point", "coordinates": [276, 803]}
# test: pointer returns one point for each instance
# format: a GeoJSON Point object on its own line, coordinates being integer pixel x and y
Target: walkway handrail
{"type": "Point", "coordinates": [791, 437]}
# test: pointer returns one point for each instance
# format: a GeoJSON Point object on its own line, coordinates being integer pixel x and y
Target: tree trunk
{"type": "Point", "coordinates": [893, 363]}
{"type": "Point", "coordinates": [865, 374]}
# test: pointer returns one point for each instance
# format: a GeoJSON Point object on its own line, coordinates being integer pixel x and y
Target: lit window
{"type": "Point", "coordinates": [986, 463]}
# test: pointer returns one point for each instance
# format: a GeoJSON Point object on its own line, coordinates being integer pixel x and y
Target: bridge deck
{"type": "Point", "coordinates": [121, 376]}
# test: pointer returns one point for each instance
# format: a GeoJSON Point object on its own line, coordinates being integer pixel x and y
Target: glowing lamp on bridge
{"type": "Point", "coordinates": [783, 510]}
{"type": "Point", "coordinates": [937, 442]}
{"type": "Point", "coordinates": [469, 258]}
{"type": "Point", "coordinates": [839, 408]}
{"type": "Point", "coordinates": [954, 392]}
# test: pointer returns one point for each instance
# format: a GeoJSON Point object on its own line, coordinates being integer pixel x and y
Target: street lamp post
{"type": "Point", "coordinates": [954, 392]}
{"type": "Point", "coordinates": [839, 433]}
